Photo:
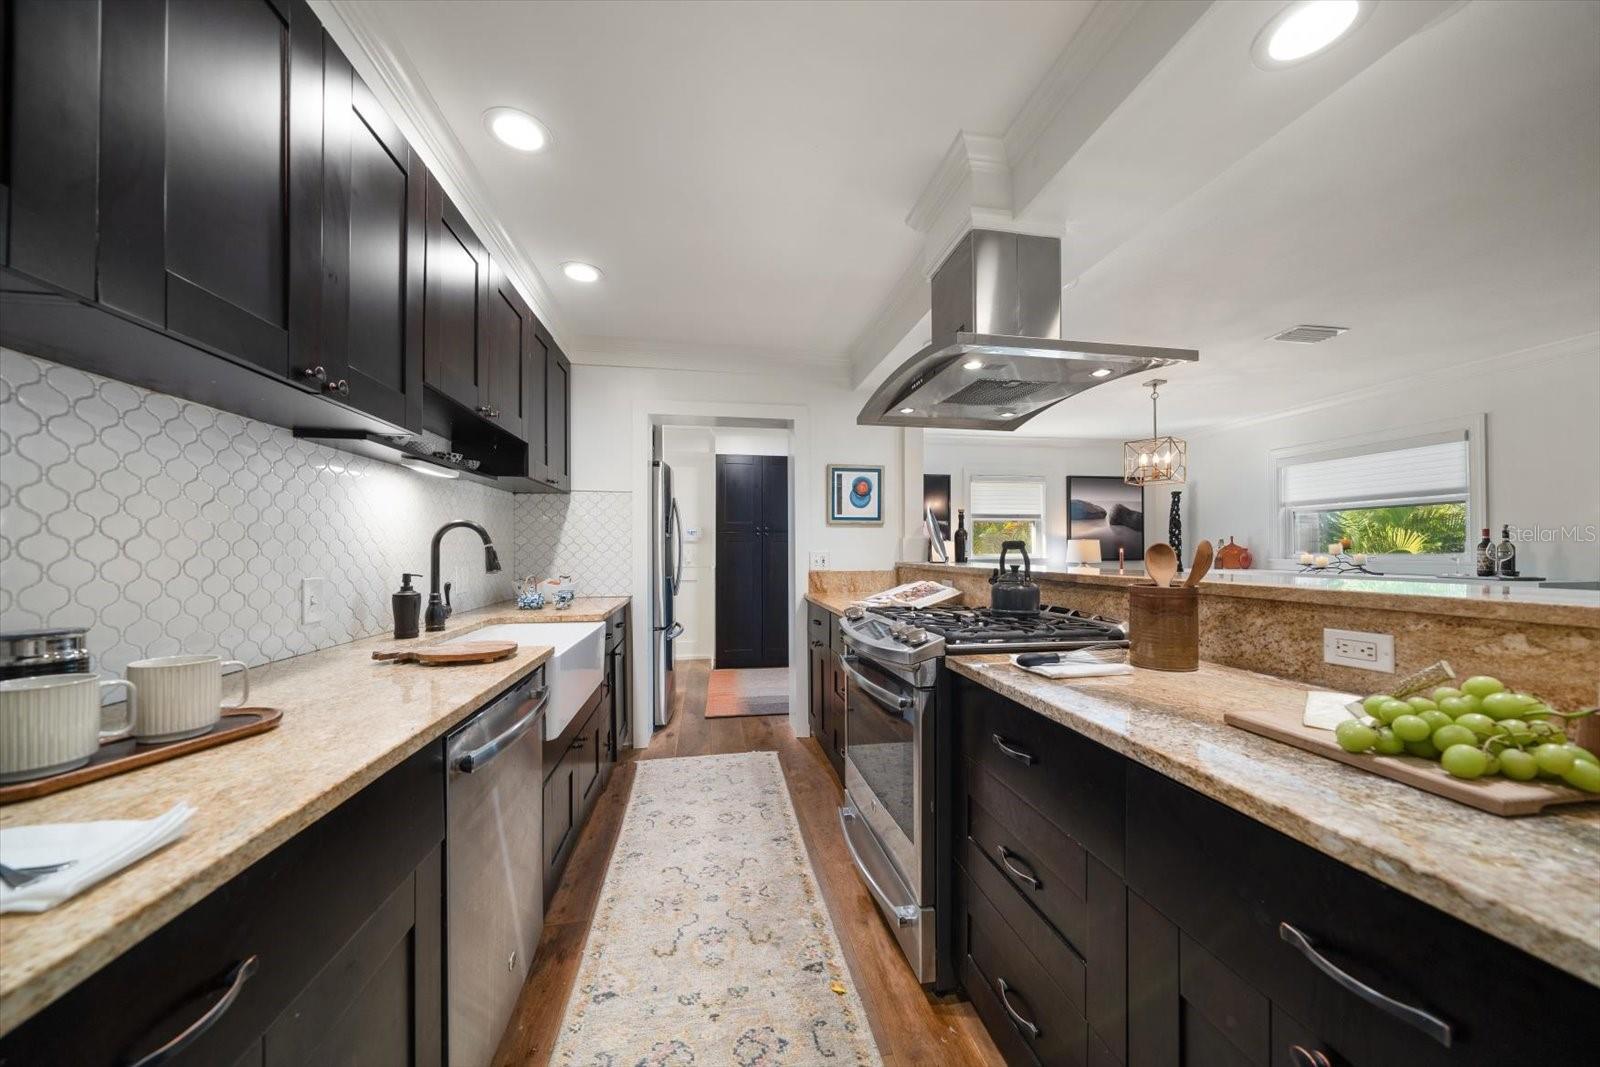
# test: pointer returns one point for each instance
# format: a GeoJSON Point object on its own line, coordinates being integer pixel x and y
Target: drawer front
{"type": "Point", "coordinates": [1040, 861]}
{"type": "Point", "coordinates": [1229, 883]}
{"type": "Point", "coordinates": [835, 635]}
{"type": "Point", "coordinates": [1041, 1004]}
{"type": "Point", "coordinates": [817, 631]}
{"type": "Point", "coordinates": [1072, 781]}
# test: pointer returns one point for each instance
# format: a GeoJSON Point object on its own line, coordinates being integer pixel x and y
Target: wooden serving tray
{"type": "Point", "coordinates": [119, 757]}
{"type": "Point", "coordinates": [1497, 796]}
{"type": "Point", "coordinates": [444, 655]}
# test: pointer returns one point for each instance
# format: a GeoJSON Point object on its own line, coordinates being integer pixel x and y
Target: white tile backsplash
{"type": "Point", "coordinates": [168, 526]}
{"type": "Point", "coordinates": [584, 534]}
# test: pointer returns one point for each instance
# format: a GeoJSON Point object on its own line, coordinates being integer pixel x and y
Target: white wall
{"type": "Point", "coordinates": [1542, 415]}
{"type": "Point", "coordinates": [1004, 455]}
{"type": "Point", "coordinates": [611, 416]}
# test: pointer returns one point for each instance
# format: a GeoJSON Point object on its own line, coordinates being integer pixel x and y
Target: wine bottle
{"type": "Point", "coordinates": [1486, 562]}
{"type": "Point", "coordinates": [1506, 555]}
{"type": "Point", "coordinates": [961, 535]}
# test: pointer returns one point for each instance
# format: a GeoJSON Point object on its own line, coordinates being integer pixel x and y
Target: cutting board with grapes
{"type": "Point", "coordinates": [1498, 796]}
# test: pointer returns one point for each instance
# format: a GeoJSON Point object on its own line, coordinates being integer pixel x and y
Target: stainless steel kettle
{"type": "Point", "coordinates": [1014, 593]}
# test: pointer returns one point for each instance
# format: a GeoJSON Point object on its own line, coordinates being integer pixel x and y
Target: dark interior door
{"type": "Point", "coordinates": [752, 561]}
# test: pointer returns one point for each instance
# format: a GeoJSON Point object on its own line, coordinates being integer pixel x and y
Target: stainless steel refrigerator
{"type": "Point", "coordinates": [666, 572]}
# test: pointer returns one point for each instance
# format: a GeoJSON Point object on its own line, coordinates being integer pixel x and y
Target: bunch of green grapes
{"type": "Point", "coordinates": [1477, 730]}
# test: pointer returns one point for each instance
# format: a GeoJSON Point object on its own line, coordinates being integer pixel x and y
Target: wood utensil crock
{"type": "Point", "coordinates": [1164, 628]}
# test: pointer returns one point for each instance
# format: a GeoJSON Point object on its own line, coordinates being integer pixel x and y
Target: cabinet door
{"type": "Point", "coordinates": [381, 998]}
{"type": "Point", "coordinates": [816, 690]}
{"type": "Point", "coordinates": [774, 595]}
{"type": "Point", "coordinates": [374, 211]}
{"type": "Point", "coordinates": [507, 324]}
{"type": "Point", "coordinates": [52, 142]}
{"type": "Point", "coordinates": [535, 368]}
{"type": "Point", "coordinates": [457, 290]}
{"type": "Point", "coordinates": [558, 420]}
{"type": "Point", "coordinates": [211, 179]}
{"type": "Point", "coordinates": [560, 818]}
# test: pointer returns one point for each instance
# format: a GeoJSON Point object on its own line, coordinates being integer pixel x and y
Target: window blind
{"type": "Point", "coordinates": [1006, 496]}
{"type": "Point", "coordinates": [1421, 472]}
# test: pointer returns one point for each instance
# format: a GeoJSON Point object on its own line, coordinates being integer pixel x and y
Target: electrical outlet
{"type": "Point", "coordinates": [1353, 648]}
{"type": "Point", "coordinates": [313, 597]}
{"type": "Point", "coordinates": [819, 561]}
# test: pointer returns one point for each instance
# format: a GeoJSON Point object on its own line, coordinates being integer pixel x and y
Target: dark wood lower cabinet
{"type": "Point", "coordinates": [578, 767]}
{"type": "Point", "coordinates": [1140, 923]}
{"type": "Point", "coordinates": [344, 927]}
{"type": "Point", "coordinates": [825, 711]}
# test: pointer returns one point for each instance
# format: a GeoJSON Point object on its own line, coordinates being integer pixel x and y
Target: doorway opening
{"type": "Point", "coordinates": [723, 561]}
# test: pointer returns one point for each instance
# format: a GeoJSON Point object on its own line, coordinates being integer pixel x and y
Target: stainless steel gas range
{"type": "Point", "coordinates": [900, 751]}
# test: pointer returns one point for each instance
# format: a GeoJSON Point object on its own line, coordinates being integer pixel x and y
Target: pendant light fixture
{"type": "Point", "coordinates": [1155, 460]}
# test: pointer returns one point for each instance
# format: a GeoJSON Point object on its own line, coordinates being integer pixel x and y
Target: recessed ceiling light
{"type": "Point", "coordinates": [428, 468]}
{"type": "Point", "coordinates": [1102, 372]}
{"type": "Point", "coordinates": [1007, 414]}
{"type": "Point", "coordinates": [908, 411]}
{"type": "Point", "coordinates": [581, 272]}
{"type": "Point", "coordinates": [516, 129]}
{"type": "Point", "coordinates": [973, 364]}
{"type": "Point", "coordinates": [1304, 29]}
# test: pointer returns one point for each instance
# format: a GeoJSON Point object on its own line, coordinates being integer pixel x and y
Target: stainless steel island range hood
{"type": "Point", "coordinates": [997, 359]}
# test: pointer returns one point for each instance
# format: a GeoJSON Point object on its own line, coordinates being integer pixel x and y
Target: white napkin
{"type": "Point", "coordinates": [1085, 669]}
{"type": "Point", "coordinates": [1325, 710]}
{"type": "Point", "coordinates": [97, 849]}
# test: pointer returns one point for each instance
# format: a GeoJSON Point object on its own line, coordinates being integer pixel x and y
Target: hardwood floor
{"type": "Point", "coordinates": [911, 1027]}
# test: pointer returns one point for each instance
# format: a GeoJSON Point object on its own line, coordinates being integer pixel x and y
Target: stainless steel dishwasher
{"type": "Point", "coordinates": [494, 890]}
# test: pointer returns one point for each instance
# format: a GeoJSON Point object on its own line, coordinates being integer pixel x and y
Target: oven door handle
{"type": "Point", "coordinates": [898, 701]}
{"type": "Point", "coordinates": [904, 914]}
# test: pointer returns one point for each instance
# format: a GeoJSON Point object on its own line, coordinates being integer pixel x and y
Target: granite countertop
{"type": "Point", "coordinates": [1528, 881]}
{"type": "Point", "coordinates": [583, 609]}
{"type": "Point", "coordinates": [346, 720]}
{"type": "Point", "coordinates": [833, 603]}
{"type": "Point", "coordinates": [1506, 601]}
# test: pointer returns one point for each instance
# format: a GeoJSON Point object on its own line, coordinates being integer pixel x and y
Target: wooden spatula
{"type": "Point", "coordinates": [1161, 563]}
{"type": "Point", "coordinates": [1202, 563]}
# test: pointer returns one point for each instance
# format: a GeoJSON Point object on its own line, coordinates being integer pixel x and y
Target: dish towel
{"type": "Point", "coordinates": [97, 850]}
{"type": "Point", "coordinates": [1085, 669]}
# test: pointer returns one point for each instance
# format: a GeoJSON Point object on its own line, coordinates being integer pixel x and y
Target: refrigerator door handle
{"type": "Point", "coordinates": [677, 569]}
{"type": "Point", "coordinates": [672, 633]}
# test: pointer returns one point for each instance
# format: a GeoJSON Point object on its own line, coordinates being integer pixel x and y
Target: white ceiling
{"type": "Point", "coordinates": [743, 173]}
{"type": "Point", "coordinates": [740, 171]}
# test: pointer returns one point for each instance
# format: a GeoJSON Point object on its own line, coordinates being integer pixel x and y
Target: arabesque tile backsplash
{"type": "Point", "coordinates": [165, 526]}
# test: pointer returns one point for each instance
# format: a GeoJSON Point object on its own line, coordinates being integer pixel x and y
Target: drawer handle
{"type": "Point", "coordinates": [1431, 1025]}
{"type": "Point", "coordinates": [1305, 1057]}
{"type": "Point", "coordinates": [1027, 875]}
{"type": "Point", "coordinates": [1005, 1002]}
{"type": "Point", "coordinates": [236, 979]}
{"type": "Point", "coordinates": [1025, 758]}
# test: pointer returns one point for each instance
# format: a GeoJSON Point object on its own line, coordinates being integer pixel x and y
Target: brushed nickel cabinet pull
{"type": "Point", "coordinates": [1429, 1024]}
{"type": "Point", "coordinates": [236, 979]}
{"type": "Point", "coordinates": [1005, 1002]}
{"type": "Point", "coordinates": [1025, 758]}
{"type": "Point", "coordinates": [1027, 875]}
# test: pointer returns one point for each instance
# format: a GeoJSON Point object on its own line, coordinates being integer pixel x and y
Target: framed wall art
{"type": "Point", "coordinates": [855, 495]}
{"type": "Point", "coordinates": [1108, 510]}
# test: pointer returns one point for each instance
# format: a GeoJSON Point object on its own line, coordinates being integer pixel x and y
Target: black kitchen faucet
{"type": "Point", "coordinates": [439, 607]}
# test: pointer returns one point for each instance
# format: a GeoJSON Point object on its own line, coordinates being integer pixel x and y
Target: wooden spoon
{"type": "Point", "coordinates": [1202, 564]}
{"type": "Point", "coordinates": [1161, 563]}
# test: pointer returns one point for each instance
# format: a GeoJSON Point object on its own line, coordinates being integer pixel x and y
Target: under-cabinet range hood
{"type": "Point", "coordinates": [997, 358]}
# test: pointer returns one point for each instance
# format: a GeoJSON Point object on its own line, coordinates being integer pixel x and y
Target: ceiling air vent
{"type": "Point", "coordinates": [1309, 335]}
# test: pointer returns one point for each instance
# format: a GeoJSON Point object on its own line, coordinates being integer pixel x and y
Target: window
{"type": "Point", "coordinates": [1395, 498]}
{"type": "Point", "coordinates": [1006, 509]}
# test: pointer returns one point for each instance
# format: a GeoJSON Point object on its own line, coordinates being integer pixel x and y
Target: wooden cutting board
{"type": "Point", "coordinates": [1497, 796]}
{"type": "Point", "coordinates": [444, 655]}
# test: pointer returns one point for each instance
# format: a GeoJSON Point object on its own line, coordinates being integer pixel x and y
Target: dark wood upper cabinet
{"type": "Point", "coordinates": [374, 217]}
{"type": "Point", "coordinates": [211, 172]}
{"type": "Point", "coordinates": [457, 292]}
{"type": "Point", "coordinates": [535, 360]}
{"type": "Point", "coordinates": [507, 329]}
{"type": "Point", "coordinates": [558, 420]}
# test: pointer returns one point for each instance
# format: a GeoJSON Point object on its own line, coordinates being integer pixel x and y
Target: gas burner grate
{"type": "Point", "coordinates": [974, 629]}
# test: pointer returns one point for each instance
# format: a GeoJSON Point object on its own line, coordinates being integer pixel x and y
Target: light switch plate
{"type": "Point", "coordinates": [1354, 648]}
{"type": "Point", "coordinates": [313, 601]}
{"type": "Point", "coordinates": [819, 561]}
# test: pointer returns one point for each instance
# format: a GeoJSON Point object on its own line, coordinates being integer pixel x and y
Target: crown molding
{"type": "Point", "coordinates": [686, 356]}
{"type": "Point", "coordinates": [388, 70]}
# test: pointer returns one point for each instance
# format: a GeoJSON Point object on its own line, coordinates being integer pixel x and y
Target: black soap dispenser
{"type": "Point", "coordinates": [407, 607]}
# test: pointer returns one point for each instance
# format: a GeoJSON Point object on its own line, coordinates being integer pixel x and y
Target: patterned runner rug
{"type": "Point", "coordinates": [711, 943]}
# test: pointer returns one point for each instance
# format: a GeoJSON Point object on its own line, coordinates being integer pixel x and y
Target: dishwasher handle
{"type": "Point", "coordinates": [480, 757]}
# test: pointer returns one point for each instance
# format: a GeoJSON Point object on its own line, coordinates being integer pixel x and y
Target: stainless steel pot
{"type": "Point", "coordinates": [1014, 593]}
{"type": "Point", "coordinates": [57, 651]}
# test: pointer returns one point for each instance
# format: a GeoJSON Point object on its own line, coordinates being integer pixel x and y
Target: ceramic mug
{"type": "Point", "coordinates": [181, 696]}
{"type": "Point", "coordinates": [50, 723]}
